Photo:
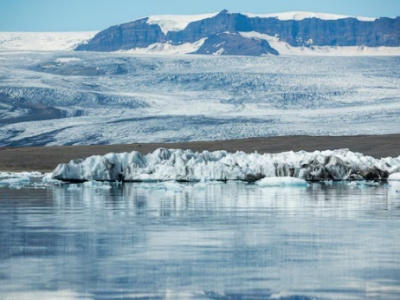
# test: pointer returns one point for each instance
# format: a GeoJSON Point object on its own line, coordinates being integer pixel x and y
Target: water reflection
{"type": "Point", "coordinates": [203, 241]}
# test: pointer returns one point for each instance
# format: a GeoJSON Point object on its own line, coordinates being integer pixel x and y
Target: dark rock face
{"type": "Point", "coordinates": [223, 22]}
{"type": "Point", "coordinates": [235, 44]}
{"type": "Point", "coordinates": [342, 32]}
{"type": "Point", "coordinates": [137, 34]}
{"type": "Point", "coordinates": [225, 28]}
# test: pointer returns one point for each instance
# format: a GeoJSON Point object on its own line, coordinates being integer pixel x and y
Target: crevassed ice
{"type": "Point", "coordinates": [186, 165]}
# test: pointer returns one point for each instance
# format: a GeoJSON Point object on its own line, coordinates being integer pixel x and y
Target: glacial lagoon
{"type": "Point", "coordinates": [200, 241]}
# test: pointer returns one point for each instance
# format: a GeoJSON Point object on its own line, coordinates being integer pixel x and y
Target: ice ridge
{"type": "Point", "coordinates": [188, 166]}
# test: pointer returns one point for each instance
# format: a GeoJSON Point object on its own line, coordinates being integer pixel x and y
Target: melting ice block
{"type": "Point", "coordinates": [186, 165]}
{"type": "Point", "coordinates": [394, 177]}
{"type": "Point", "coordinates": [17, 179]}
{"type": "Point", "coordinates": [281, 182]}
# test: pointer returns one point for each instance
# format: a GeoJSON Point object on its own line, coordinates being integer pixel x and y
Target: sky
{"type": "Point", "coordinates": [94, 15]}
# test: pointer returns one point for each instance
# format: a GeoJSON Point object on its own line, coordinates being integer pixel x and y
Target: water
{"type": "Point", "coordinates": [200, 241]}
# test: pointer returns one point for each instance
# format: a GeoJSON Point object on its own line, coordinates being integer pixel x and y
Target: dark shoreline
{"type": "Point", "coordinates": [45, 159]}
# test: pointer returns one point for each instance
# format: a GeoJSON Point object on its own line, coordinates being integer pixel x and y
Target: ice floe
{"type": "Point", "coordinates": [17, 179]}
{"type": "Point", "coordinates": [394, 177]}
{"type": "Point", "coordinates": [189, 166]}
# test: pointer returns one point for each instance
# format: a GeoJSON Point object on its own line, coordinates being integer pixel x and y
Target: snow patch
{"type": "Point", "coordinates": [285, 49]}
{"type": "Point", "coordinates": [168, 49]}
{"type": "Point", "coordinates": [301, 15]}
{"type": "Point", "coordinates": [219, 51]}
{"type": "Point", "coordinates": [176, 22]}
{"type": "Point", "coordinates": [68, 59]}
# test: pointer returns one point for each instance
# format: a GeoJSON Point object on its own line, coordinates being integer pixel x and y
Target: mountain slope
{"type": "Point", "coordinates": [222, 33]}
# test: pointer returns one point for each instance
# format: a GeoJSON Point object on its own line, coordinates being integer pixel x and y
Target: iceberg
{"type": "Point", "coordinates": [188, 166]}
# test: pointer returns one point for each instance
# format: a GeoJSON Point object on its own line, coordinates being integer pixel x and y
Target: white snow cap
{"type": "Point", "coordinates": [186, 165]}
{"type": "Point", "coordinates": [301, 15]}
{"type": "Point", "coordinates": [180, 22]}
{"type": "Point", "coordinates": [176, 22]}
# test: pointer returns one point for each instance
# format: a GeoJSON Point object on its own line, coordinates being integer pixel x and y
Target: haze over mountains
{"type": "Point", "coordinates": [228, 33]}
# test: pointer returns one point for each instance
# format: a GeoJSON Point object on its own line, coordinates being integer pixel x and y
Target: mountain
{"type": "Point", "coordinates": [228, 33]}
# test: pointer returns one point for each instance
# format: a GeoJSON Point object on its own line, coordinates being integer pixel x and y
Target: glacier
{"type": "Point", "coordinates": [43, 41]}
{"type": "Point", "coordinates": [188, 166]}
{"type": "Point", "coordinates": [78, 98]}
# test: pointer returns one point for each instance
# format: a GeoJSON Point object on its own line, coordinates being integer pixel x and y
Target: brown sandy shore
{"type": "Point", "coordinates": [45, 159]}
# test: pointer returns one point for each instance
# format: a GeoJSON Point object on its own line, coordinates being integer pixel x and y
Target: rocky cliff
{"type": "Point", "coordinates": [223, 34]}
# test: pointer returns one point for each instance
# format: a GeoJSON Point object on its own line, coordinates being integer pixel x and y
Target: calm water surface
{"type": "Point", "coordinates": [201, 241]}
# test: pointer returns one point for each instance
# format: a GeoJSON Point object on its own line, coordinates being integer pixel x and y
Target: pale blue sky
{"type": "Point", "coordinates": [84, 15]}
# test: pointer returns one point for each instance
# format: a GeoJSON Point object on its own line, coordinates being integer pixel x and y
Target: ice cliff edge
{"type": "Point", "coordinates": [186, 165]}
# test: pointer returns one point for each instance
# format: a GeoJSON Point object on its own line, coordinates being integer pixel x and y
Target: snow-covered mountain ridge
{"type": "Point", "coordinates": [227, 33]}
{"type": "Point", "coordinates": [169, 23]}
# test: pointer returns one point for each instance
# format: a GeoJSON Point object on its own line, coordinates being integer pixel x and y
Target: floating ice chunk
{"type": "Point", "coordinates": [97, 185]}
{"type": "Point", "coordinates": [14, 180]}
{"type": "Point", "coordinates": [6, 175]}
{"type": "Point", "coordinates": [73, 187]}
{"type": "Point", "coordinates": [363, 184]}
{"type": "Point", "coordinates": [189, 166]}
{"type": "Point", "coordinates": [47, 179]}
{"type": "Point", "coordinates": [281, 181]}
{"type": "Point", "coordinates": [394, 177]}
{"type": "Point", "coordinates": [17, 180]}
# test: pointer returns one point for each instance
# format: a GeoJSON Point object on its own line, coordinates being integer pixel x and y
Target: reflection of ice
{"type": "Point", "coordinates": [47, 295]}
{"type": "Point", "coordinates": [172, 198]}
{"type": "Point", "coordinates": [204, 240]}
{"type": "Point", "coordinates": [281, 182]}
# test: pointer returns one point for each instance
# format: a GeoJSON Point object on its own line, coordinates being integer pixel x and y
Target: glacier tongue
{"type": "Point", "coordinates": [186, 165]}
